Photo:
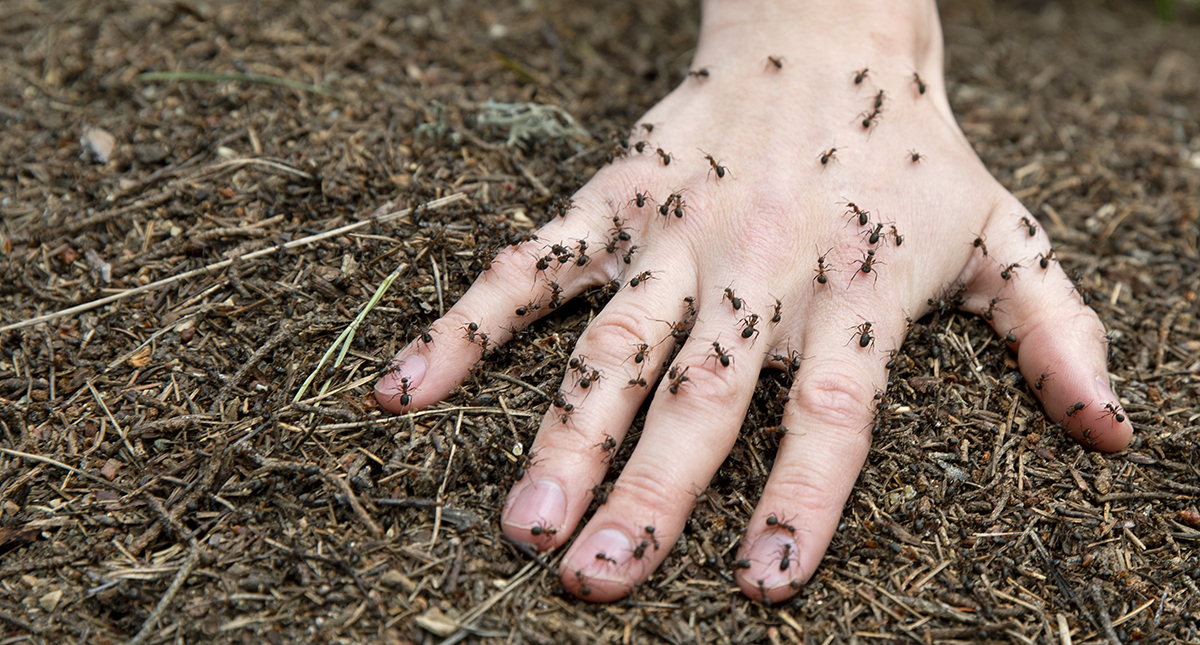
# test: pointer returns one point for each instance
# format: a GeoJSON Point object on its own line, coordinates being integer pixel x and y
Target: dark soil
{"type": "Point", "coordinates": [152, 452]}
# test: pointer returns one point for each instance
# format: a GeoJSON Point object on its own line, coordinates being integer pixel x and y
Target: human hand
{"type": "Point", "coordinates": [784, 214]}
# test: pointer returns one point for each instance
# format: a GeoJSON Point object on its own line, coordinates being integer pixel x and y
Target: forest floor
{"type": "Point", "coordinates": [157, 477]}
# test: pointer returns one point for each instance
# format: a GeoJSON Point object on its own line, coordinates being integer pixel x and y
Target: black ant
{"type": "Point", "coordinates": [863, 332]}
{"type": "Point", "coordinates": [734, 301]}
{"type": "Point", "coordinates": [1029, 226]}
{"type": "Point", "coordinates": [828, 155]}
{"type": "Point", "coordinates": [560, 401]}
{"type": "Point", "coordinates": [861, 75]}
{"type": "Point", "coordinates": [786, 560]}
{"type": "Point", "coordinates": [637, 382]}
{"type": "Point", "coordinates": [539, 529]}
{"type": "Point", "coordinates": [980, 243]}
{"type": "Point", "coordinates": [555, 296]}
{"type": "Point", "coordinates": [868, 262]}
{"type": "Point", "coordinates": [583, 258]}
{"type": "Point", "coordinates": [528, 308]}
{"type": "Point", "coordinates": [777, 312]}
{"type": "Point", "coordinates": [720, 170]}
{"type": "Point", "coordinates": [628, 256]}
{"type": "Point", "coordinates": [897, 236]}
{"type": "Point", "coordinates": [471, 328]}
{"type": "Point", "coordinates": [919, 82]}
{"type": "Point", "coordinates": [405, 396]}
{"type": "Point", "coordinates": [649, 528]}
{"type": "Point", "coordinates": [584, 590]}
{"type": "Point", "coordinates": [521, 239]}
{"type": "Point", "coordinates": [874, 234]}
{"type": "Point", "coordinates": [543, 263]}
{"type": "Point", "coordinates": [648, 127]}
{"type": "Point", "coordinates": [423, 334]}
{"type": "Point", "coordinates": [1087, 436]}
{"type": "Point", "coordinates": [640, 355]}
{"type": "Point", "coordinates": [609, 446]}
{"type": "Point", "coordinates": [588, 378]}
{"type": "Point", "coordinates": [679, 330]}
{"type": "Point", "coordinates": [666, 158]}
{"type": "Point", "coordinates": [1044, 259]}
{"type": "Point", "coordinates": [821, 266]}
{"type": "Point", "coordinates": [640, 199]}
{"type": "Point", "coordinates": [777, 61]}
{"type": "Point", "coordinates": [915, 156]}
{"type": "Point", "coordinates": [748, 324]}
{"type": "Point", "coordinates": [1011, 336]}
{"type": "Point", "coordinates": [1110, 410]}
{"type": "Point", "coordinates": [774, 521]}
{"type": "Point", "coordinates": [741, 563]}
{"type": "Point", "coordinates": [990, 313]}
{"type": "Point", "coordinates": [853, 209]}
{"type": "Point", "coordinates": [640, 278]}
{"type": "Point", "coordinates": [1009, 271]}
{"type": "Point", "coordinates": [678, 377]}
{"type": "Point", "coordinates": [1077, 286]}
{"type": "Point", "coordinates": [1041, 381]}
{"type": "Point", "coordinates": [722, 356]}
{"type": "Point", "coordinates": [699, 73]}
{"type": "Point", "coordinates": [1074, 409]}
{"type": "Point", "coordinates": [640, 146]}
{"type": "Point", "coordinates": [878, 102]}
{"type": "Point", "coordinates": [640, 551]}
{"type": "Point", "coordinates": [791, 363]}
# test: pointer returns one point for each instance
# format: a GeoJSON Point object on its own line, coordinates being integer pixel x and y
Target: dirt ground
{"type": "Point", "coordinates": [158, 480]}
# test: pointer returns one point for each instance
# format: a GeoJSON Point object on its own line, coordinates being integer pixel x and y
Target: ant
{"type": "Point", "coordinates": [640, 278]}
{"type": "Point", "coordinates": [555, 296]}
{"type": "Point", "coordinates": [920, 84]}
{"type": "Point", "coordinates": [777, 61]}
{"type": "Point", "coordinates": [915, 156]}
{"type": "Point", "coordinates": [748, 324]}
{"type": "Point", "coordinates": [868, 262]}
{"type": "Point", "coordinates": [874, 234]}
{"type": "Point", "coordinates": [540, 529]}
{"type": "Point", "coordinates": [588, 378]}
{"type": "Point", "coordinates": [521, 239]}
{"type": "Point", "coordinates": [1074, 409]}
{"type": "Point", "coordinates": [640, 355]}
{"type": "Point", "coordinates": [777, 312]}
{"type": "Point", "coordinates": [821, 266]}
{"type": "Point", "coordinates": [471, 328]}
{"type": "Point", "coordinates": [786, 560]}
{"type": "Point", "coordinates": [741, 563]}
{"type": "Point", "coordinates": [640, 551]}
{"type": "Point", "coordinates": [637, 382]}
{"type": "Point", "coordinates": [1029, 226]}
{"type": "Point", "coordinates": [791, 363]}
{"type": "Point", "coordinates": [679, 330]}
{"type": "Point", "coordinates": [878, 103]}
{"type": "Point", "coordinates": [1044, 259]}
{"type": "Point", "coordinates": [1077, 286]}
{"type": "Point", "coordinates": [528, 308]}
{"type": "Point", "coordinates": [584, 590]}
{"type": "Point", "coordinates": [1042, 380]}
{"type": "Point", "coordinates": [722, 356]}
{"type": "Point", "coordinates": [640, 146]}
{"type": "Point", "coordinates": [648, 127]}
{"type": "Point", "coordinates": [609, 446]}
{"type": "Point", "coordinates": [1110, 410]}
{"type": "Point", "coordinates": [649, 528]}
{"type": "Point", "coordinates": [406, 397]}
{"type": "Point", "coordinates": [774, 521]}
{"type": "Point", "coordinates": [853, 209]}
{"type": "Point", "coordinates": [981, 243]}
{"type": "Point", "coordinates": [678, 378]}
{"type": "Point", "coordinates": [628, 256]}
{"type": "Point", "coordinates": [560, 401]}
{"type": "Point", "coordinates": [734, 301]}
{"type": "Point", "coordinates": [897, 236]}
{"type": "Point", "coordinates": [699, 73]}
{"type": "Point", "coordinates": [1011, 337]}
{"type": "Point", "coordinates": [1009, 271]}
{"type": "Point", "coordinates": [720, 170]}
{"type": "Point", "coordinates": [863, 332]}
{"type": "Point", "coordinates": [423, 334]}
{"type": "Point", "coordinates": [990, 313]}
{"type": "Point", "coordinates": [861, 75]}
{"type": "Point", "coordinates": [1087, 435]}
{"type": "Point", "coordinates": [828, 155]}
{"type": "Point", "coordinates": [666, 158]}
{"type": "Point", "coordinates": [542, 265]}
{"type": "Point", "coordinates": [640, 199]}
{"type": "Point", "coordinates": [583, 256]}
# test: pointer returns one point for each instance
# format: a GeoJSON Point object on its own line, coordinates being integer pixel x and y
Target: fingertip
{"type": "Point", "coordinates": [769, 568]}
{"type": "Point", "coordinates": [536, 513]}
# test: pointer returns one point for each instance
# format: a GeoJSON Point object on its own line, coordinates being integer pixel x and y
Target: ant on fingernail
{"type": "Point", "coordinates": [405, 396]}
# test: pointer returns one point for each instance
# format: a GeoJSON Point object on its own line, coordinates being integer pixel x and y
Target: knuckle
{"type": "Point", "coordinates": [834, 398]}
{"type": "Point", "coordinates": [644, 489]}
{"type": "Point", "coordinates": [612, 333]}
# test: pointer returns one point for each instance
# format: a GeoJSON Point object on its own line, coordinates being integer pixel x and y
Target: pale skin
{"type": "Point", "coordinates": [760, 230]}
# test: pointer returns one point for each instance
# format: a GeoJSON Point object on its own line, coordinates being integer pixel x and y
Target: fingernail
{"type": "Point", "coordinates": [411, 368]}
{"type": "Point", "coordinates": [774, 561]}
{"type": "Point", "coordinates": [541, 504]}
{"type": "Point", "coordinates": [603, 553]}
